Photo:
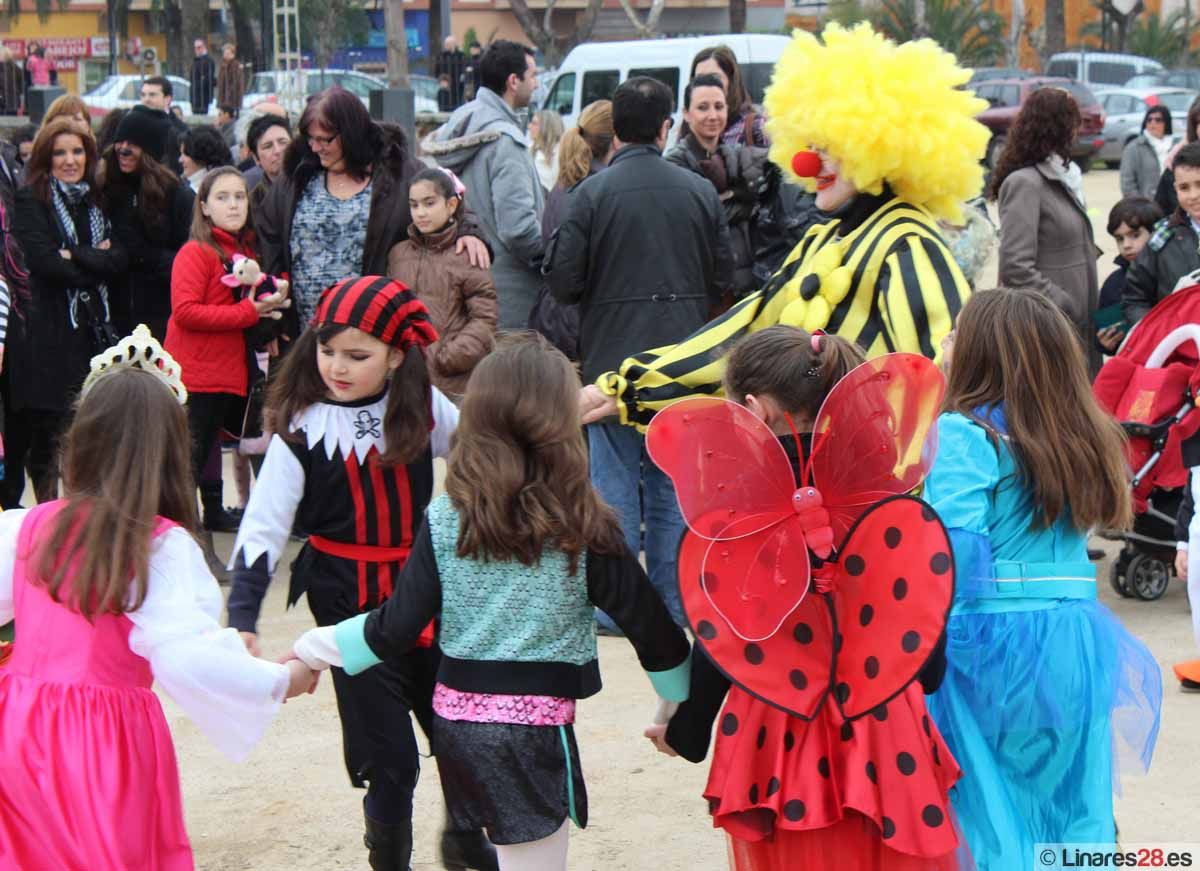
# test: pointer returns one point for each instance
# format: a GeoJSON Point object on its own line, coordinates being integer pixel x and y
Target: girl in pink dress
{"type": "Point", "coordinates": [110, 593]}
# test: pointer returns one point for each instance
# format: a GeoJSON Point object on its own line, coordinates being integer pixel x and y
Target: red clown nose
{"type": "Point", "coordinates": [806, 164]}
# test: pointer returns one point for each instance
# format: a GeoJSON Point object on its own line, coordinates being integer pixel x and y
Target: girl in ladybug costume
{"type": "Point", "coordinates": [825, 756]}
{"type": "Point", "coordinates": [1046, 695]}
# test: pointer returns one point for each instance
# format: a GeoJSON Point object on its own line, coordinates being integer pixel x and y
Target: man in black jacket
{"type": "Point", "coordinates": [204, 75]}
{"type": "Point", "coordinates": [1171, 254]}
{"type": "Point", "coordinates": [645, 252]}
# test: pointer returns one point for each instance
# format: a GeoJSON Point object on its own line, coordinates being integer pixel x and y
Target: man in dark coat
{"type": "Point", "coordinates": [641, 282]}
{"type": "Point", "coordinates": [452, 63]}
{"type": "Point", "coordinates": [204, 77]}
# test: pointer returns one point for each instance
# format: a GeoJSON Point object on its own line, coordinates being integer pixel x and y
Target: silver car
{"type": "Point", "coordinates": [1124, 109]}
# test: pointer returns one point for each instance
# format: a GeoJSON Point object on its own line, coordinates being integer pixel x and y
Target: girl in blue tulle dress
{"type": "Point", "coordinates": [1046, 695]}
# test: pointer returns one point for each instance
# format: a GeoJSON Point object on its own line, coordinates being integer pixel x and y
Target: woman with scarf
{"type": "Point", "coordinates": [734, 169]}
{"type": "Point", "coordinates": [1147, 157]}
{"type": "Point", "coordinates": [1046, 241]}
{"type": "Point", "coordinates": [67, 241]}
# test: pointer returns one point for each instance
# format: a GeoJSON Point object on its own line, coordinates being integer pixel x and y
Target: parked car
{"type": "Point", "coordinates": [1124, 109]}
{"type": "Point", "coordinates": [1169, 79]}
{"type": "Point", "coordinates": [1006, 96]}
{"type": "Point", "coordinates": [1100, 67]}
{"type": "Point", "coordinates": [986, 74]}
{"type": "Point", "coordinates": [273, 87]}
{"type": "Point", "coordinates": [125, 92]}
{"type": "Point", "coordinates": [593, 70]}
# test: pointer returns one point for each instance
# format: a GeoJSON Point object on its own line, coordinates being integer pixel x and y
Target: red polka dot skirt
{"type": "Point", "coordinates": [831, 793]}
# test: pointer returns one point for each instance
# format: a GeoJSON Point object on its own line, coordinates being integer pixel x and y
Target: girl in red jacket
{"type": "Point", "coordinates": [206, 333]}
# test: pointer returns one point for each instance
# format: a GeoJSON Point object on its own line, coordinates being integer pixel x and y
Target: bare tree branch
{"type": "Point", "coordinates": [650, 25]}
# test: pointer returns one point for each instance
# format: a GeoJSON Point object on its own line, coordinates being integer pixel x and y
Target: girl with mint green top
{"type": "Point", "coordinates": [512, 561]}
{"type": "Point", "coordinates": [1046, 695]}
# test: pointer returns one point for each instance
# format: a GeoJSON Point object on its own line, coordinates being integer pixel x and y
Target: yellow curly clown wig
{"type": "Point", "coordinates": [884, 112]}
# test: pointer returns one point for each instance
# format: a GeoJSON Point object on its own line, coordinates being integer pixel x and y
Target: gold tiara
{"type": "Point", "coordinates": [139, 351]}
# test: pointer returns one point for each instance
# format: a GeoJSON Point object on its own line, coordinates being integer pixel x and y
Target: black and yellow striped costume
{"type": "Point", "coordinates": [889, 284]}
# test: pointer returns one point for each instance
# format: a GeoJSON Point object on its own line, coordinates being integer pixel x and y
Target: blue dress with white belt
{"type": "Point", "coordinates": [1046, 694]}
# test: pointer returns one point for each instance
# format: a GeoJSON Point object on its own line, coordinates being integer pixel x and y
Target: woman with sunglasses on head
{"type": "Point", "coordinates": [151, 210]}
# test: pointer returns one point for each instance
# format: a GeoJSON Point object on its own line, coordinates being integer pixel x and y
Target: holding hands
{"type": "Point", "coordinates": [657, 733]}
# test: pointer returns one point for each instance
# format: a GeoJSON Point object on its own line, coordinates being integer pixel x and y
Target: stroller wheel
{"type": "Point", "coordinates": [1116, 577]}
{"type": "Point", "coordinates": [1147, 577]}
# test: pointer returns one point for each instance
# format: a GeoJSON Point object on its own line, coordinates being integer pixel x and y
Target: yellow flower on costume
{"type": "Point", "coordinates": [885, 112]}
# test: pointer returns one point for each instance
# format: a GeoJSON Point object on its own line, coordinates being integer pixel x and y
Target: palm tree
{"type": "Point", "coordinates": [1164, 39]}
{"type": "Point", "coordinates": [967, 28]}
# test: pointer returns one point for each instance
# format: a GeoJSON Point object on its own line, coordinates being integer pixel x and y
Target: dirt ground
{"type": "Point", "coordinates": [290, 805]}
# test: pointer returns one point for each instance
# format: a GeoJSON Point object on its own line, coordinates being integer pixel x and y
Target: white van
{"type": "Point", "coordinates": [1100, 67]}
{"type": "Point", "coordinates": [593, 70]}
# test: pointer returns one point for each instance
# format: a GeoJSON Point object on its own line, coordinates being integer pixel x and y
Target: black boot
{"type": "Point", "coordinates": [389, 845]}
{"type": "Point", "coordinates": [463, 850]}
{"type": "Point", "coordinates": [216, 518]}
{"type": "Point", "coordinates": [215, 564]}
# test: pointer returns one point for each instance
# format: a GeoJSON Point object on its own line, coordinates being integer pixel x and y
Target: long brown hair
{"type": "Point", "coordinates": [1045, 125]}
{"type": "Point", "coordinates": [152, 183]}
{"type": "Point", "coordinates": [117, 480]}
{"type": "Point", "coordinates": [780, 362]}
{"type": "Point", "coordinates": [518, 467]}
{"type": "Point", "coordinates": [738, 94]}
{"type": "Point", "coordinates": [1014, 350]}
{"type": "Point", "coordinates": [202, 229]}
{"type": "Point", "coordinates": [37, 168]}
{"type": "Point", "coordinates": [590, 140]}
{"type": "Point", "coordinates": [407, 419]}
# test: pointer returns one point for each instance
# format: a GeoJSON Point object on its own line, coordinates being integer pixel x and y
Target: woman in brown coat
{"type": "Point", "coordinates": [1046, 241]}
{"type": "Point", "coordinates": [231, 86]}
{"type": "Point", "coordinates": [460, 297]}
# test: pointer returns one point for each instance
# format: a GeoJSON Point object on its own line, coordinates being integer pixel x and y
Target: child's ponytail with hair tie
{"type": "Point", "coordinates": [815, 369]}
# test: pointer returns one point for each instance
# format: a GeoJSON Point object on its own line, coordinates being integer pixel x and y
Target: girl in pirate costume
{"type": "Point", "coordinates": [357, 426]}
{"type": "Point", "coordinates": [887, 158]}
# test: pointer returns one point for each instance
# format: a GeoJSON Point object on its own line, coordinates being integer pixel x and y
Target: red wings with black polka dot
{"type": "Point", "coordinates": [858, 645]}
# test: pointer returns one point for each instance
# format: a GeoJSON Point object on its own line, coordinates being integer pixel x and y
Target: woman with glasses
{"type": "Point", "coordinates": [342, 202]}
{"type": "Point", "coordinates": [151, 211]}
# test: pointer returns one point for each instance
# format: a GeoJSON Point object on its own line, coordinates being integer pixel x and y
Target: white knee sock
{"type": "Point", "coordinates": [548, 854]}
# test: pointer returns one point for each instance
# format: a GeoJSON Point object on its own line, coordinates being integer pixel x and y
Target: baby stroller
{"type": "Point", "coordinates": [1151, 386]}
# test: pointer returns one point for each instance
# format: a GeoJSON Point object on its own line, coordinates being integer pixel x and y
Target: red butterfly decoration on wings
{"type": "Point", "coordinates": [744, 561]}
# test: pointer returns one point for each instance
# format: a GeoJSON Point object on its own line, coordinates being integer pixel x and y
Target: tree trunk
{"type": "Point", "coordinates": [737, 16]}
{"type": "Point", "coordinates": [397, 43]}
{"type": "Point", "coordinates": [1013, 55]}
{"type": "Point", "coordinates": [248, 47]}
{"type": "Point", "coordinates": [176, 53]}
{"type": "Point", "coordinates": [543, 36]}
{"type": "Point", "coordinates": [195, 26]}
{"type": "Point", "coordinates": [1056, 27]}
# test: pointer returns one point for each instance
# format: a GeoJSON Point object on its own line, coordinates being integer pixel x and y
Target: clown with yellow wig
{"type": "Point", "coordinates": [889, 142]}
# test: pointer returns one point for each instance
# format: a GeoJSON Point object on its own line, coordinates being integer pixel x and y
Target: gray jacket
{"type": "Point", "coordinates": [484, 144]}
{"type": "Point", "coordinates": [1046, 245]}
{"type": "Point", "coordinates": [1140, 169]}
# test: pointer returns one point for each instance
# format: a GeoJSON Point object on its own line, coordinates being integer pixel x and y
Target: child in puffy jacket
{"type": "Point", "coordinates": [460, 297]}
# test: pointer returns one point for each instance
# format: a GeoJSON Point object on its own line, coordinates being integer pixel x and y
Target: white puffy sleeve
{"type": "Point", "coordinates": [272, 508]}
{"type": "Point", "coordinates": [445, 422]}
{"type": "Point", "coordinates": [10, 528]}
{"type": "Point", "coordinates": [229, 694]}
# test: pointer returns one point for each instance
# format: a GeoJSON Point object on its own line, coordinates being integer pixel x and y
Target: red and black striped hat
{"type": "Point", "coordinates": [382, 307]}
